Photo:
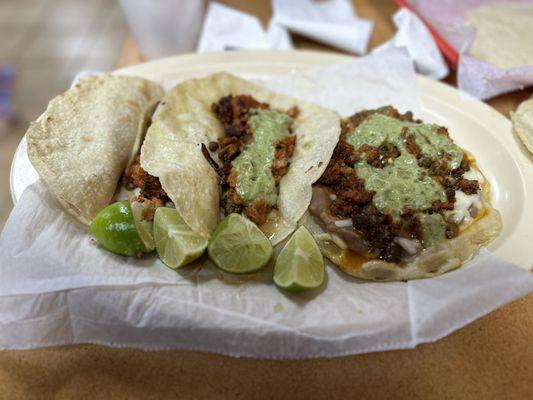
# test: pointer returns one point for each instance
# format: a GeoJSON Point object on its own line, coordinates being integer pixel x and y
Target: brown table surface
{"type": "Point", "coordinates": [488, 359]}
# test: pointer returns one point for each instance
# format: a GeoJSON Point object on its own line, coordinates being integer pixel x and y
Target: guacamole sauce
{"type": "Point", "coordinates": [403, 182]}
{"type": "Point", "coordinates": [433, 229]}
{"type": "Point", "coordinates": [254, 164]}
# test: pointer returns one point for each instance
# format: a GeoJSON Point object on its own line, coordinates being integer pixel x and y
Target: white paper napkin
{"type": "Point", "coordinates": [226, 28]}
{"type": "Point", "coordinates": [164, 28]}
{"type": "Point", "coordinates": [413, 35]}
{"type": "Point", "coordinates": [58, 287]}
{"type": "Point", "coordinates": [366, 82]}
{"type": "Point", "coordinates": [474, 76]}
{"type": "Point", "coordinates": [332, 22]}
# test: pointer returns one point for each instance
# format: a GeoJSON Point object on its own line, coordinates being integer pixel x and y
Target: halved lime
{"type": "Point", "coordinates": [176, 243]}
{"type": "Point", "coordinates": [300, 265]}
{"type": "Point", "coordinates": [238, 246]}
{"type": "Point", "coordinates": [115, 230]}
{"type": "Point", "coordinates": [145, 227]}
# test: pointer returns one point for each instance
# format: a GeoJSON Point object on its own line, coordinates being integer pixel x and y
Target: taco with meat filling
{"type": "Point", "coordinates": [220, 144]}
{"type": "Point", "coordinates": [87, 136]}
{"type": "Point", "coordinates": [399, 200]}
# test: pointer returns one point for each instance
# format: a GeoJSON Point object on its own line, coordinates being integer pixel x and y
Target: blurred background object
{"type": "Point", "coordinates": [413, 35]}
{"type": "Point", "coordinates": [164, 27]}
{"type": "Point", "coordinates": [44, 44]}
{"type": "Point", "coordinates": [487, 41]}
{"type": "Point", "coordinates": [7, 79]}
{"type": "Point", "coordinates": [225, 28]}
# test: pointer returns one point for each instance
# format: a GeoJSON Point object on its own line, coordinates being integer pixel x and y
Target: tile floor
{"type": "Point", "coordinates": [48, 42]}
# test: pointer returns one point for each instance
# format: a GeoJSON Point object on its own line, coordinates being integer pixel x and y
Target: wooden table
{"type": "Point", "coordinates": [488, 359]}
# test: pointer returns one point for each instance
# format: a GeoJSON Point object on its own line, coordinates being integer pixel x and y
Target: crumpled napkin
{"type": "Point", "coordinates": [360, 88]}
{"type": "Point", "coordinates": [332, 22]}
{"type": "Point", "coordinates": [226, 28]}
{"type": "Point", "coordinates": [164, 28]}
{"type": "Point", "coordinates": [474, 76]}
{"type": "Point", "coordinates": [416, 38]}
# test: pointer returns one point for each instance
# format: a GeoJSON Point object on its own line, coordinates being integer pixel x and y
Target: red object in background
{"type": "Point", "coordinates": [450, 54]}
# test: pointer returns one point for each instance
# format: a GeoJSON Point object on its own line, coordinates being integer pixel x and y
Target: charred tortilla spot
{"type": "Point", "coordinates": [209, 159]}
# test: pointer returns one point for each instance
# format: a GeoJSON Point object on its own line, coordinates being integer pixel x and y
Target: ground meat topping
{"type": "Point", "coordinates": [233, 112]}
{"type": "Point", "coordinates": [379, 157]}
{"type": "Point", "coordinates": [350, 124]}
{"type": "Point", "coordinates": [468, 186]}
{"type": "Point", "coordinates": [136, 177]}
{"type": "Point", "coordinates": [439, 206]}
{"type": "Point", "coordinates": [231, 202]}
{"type": "Point", "coordinates": [413, 147]}
{"type": "Point", "coordinates": [257, 211]}
{"type": "Point", "coordinates": [284, 151]}
{"type": "Point", "coordinates": [353, 201]}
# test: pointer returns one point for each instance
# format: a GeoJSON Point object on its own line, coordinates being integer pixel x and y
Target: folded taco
{"type": "Point", "coordinates": [221, 144]}
{"type": "Point", "coordinates": [87, 136]}
{"type": "Point", "coordinates": [399, 200]}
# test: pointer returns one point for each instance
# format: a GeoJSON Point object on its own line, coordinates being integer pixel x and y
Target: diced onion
{"type": "Point", "coordinates": [411, 246]}
{"type": "Point", "coordinates": [343, 223]}
{"type": "Point", "coordinates": [333, 196]}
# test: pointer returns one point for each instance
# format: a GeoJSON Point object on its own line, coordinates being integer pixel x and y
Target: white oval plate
{"type": "Point", "coordinates": [472, 124]}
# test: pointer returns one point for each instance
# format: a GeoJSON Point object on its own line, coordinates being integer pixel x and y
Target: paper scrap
{"type": "Point", "coordinates": [331, 22]}
{"type": "Point", "coordinates": [413, 35]}
{"type": "Point", "coordinates": [226, 28]}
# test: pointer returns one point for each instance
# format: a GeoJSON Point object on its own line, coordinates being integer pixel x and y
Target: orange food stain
{"type": "Point", "coordinates": [351, 259]}
{"type": "Point", "coordinates": [272, 224]}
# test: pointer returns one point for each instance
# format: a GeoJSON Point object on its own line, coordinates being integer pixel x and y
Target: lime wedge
{"type": "Point", "coordinates": [238, 246]}
{"type": "Point", "coordinates": [299, 265]}
{"type": "Point", "coordinates": [176, 244]}
{"type": "Point", "coordinates": [114, 229]}
{"type": "Point", "coordinates": [145, 228]}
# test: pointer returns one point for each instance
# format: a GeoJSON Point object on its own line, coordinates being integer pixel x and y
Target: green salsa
{"type": "Point", "coordinates": [433, 229]}
{"type": "Point", "coordinates": [403, 182]}
{"type": "Point", "coordinates": [254, 165]}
